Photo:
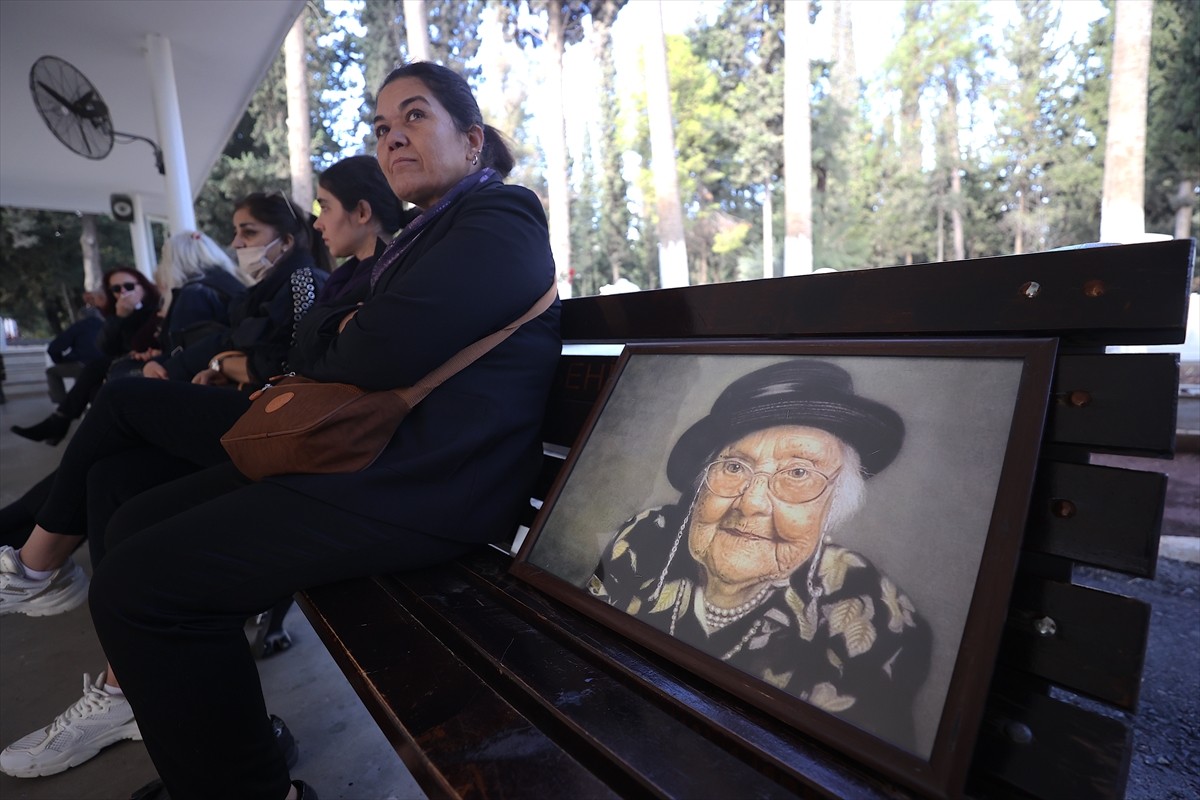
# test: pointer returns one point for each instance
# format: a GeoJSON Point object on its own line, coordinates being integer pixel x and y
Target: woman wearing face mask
{"type": "Point", "coordinates": [276, 250]}
{"type": "Point", "coordinates": [130, 324]}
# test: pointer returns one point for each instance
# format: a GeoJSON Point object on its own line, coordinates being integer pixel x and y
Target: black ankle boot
{"type": "Point", "coordinates": [51, 430]}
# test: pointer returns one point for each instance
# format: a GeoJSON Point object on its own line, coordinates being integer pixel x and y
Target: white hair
{"type": "Point", "coordinates": [188, 255]}
{"type": "Point", "coordinates": [849, 490]}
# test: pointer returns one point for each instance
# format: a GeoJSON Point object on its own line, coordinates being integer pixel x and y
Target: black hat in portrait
{"type": "Point", "coordinates": [800, 391]}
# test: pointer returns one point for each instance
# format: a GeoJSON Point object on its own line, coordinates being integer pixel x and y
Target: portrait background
{"type": "Point", "coordinates": [926, 516]}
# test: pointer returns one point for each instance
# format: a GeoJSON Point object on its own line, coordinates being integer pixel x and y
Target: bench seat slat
{"type": "Point", "coordinates": [457, 737]}
{"type": "Point", "coordinates": [691, 742]}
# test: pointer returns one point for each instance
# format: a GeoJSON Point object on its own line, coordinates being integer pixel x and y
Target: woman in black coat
{"type": "Point", "coordinates": [130, 325]}
{"type": "Point", "coordinates": [276, 250]}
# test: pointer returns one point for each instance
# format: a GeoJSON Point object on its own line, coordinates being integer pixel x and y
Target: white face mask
{"type": "Point", "coordinates": [254, 261]}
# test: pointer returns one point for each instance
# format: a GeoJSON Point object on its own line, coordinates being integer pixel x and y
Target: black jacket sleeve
{"type": "Point", "coordinates": [475, 259]}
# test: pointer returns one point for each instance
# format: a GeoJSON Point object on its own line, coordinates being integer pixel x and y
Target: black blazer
{"type": "Point", "coordinates": [461, 465]}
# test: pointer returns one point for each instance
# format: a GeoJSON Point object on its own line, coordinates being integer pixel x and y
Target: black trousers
{"type": "Point", "coordinates": [187, 563]}
{"type": "Point", "coordinates": [87, 383]}
{"type": "Point", "coordinates": [140, 433]}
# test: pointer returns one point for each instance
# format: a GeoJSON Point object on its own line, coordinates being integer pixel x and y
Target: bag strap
{"type": "Point", "coordinates": [469, 354]}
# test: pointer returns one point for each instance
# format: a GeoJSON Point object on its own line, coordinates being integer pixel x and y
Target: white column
{"type": "Point", "coordinates": [142, 238]}
{"type": "Point", "coordinates": [180, 213]}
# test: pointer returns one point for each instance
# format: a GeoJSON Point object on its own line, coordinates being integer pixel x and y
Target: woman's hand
{"type": "Point", "coordinates": [230, 366]}
{"type": "Point", "coordinates": [346, 319]}
{"type": "Point", "coordinates": [129, 302]}
{"type": "Point", "coordinates": [146, 355]}
{"type": "Point", "coordinates": [209, 377]}
{"type": "Point", "coordinates": [153, 369]}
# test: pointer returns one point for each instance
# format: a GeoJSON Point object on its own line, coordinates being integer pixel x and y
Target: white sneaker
{"type": "Point", "coordinates": [63, 591]}
{"type": "Point", "coordinates": [97, 720]}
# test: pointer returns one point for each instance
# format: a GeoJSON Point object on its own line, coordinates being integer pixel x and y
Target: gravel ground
{"type": "Point", "coordinates": [1166, 753]}
{"type": "Point", "coordinates": [1166, 756]}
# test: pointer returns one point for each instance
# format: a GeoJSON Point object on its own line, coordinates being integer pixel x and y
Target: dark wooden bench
{"type": "Point", "coordinates": [487, 687]}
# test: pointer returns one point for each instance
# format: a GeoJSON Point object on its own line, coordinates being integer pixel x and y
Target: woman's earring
{"type": "Point", "coordinates": [475, 158]}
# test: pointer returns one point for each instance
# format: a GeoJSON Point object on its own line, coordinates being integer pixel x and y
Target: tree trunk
{"type": "Point", "coordinates": [555, 145]}
{"type": "Point", "coordinates": [797, 143]}
{"type": "Point", "coordinates": [1122, 208]}
{"type": "Point", "coordinates": [843, 74]}
{"type": "Point", "coordinates": [1185, 201]}
{"type": "Point", "coordinates": [89, 243]}
{"type": "Point", "coordinates": [1019, 242]}
{"type": "Point", "coordinates": [941, 233]}
{"type": "Point", "coordinates": [672, 251]}
{"type": "Point", "coordinates": [955, 167]}
{"type": "Point", "coordinates": [768, 224]}
{"type": "Point", "coordinates": [416, 30]}
{"type": "Point", "coordinates": [614, 221]}
{"type": "Point", "coordinates": [299, 126]}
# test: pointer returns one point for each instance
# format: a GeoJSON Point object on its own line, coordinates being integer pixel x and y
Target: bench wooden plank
{"type": "Point", "coordinates": [1050, 748]}
{"type": "Point", "coordinates": [1135, 294]}
{"type": "Point", "coordinates": [1052, 632]}
{"type": "Point", "coordinates": [1116, 403]}
{"type": "Point", "coordinates": [1101, 516]}
{"type": "Point", "coordinates": [581, 672]}
{"type": "Point", "coordinates": [455, 734]}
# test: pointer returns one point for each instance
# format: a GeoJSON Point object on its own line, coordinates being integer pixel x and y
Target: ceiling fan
{"type": "Point", "coordinates": [75, 112]}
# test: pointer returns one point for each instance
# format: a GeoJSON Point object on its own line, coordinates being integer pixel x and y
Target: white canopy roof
{"type": "Point", "coordinates": [221, 49]}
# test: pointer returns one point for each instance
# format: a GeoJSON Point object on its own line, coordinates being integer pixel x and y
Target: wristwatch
{"type": "Point", "coordinates": [215, 364]}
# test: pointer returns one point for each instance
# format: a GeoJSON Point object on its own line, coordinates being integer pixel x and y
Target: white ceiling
{"type": "Point", "coordinates": [221, 51]}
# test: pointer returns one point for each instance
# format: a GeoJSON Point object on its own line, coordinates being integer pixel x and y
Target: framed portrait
{"type": "Point", "coordinates": [827, 529]}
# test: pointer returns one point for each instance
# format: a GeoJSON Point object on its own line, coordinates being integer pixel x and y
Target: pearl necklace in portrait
{"type": "Point", "coordinates": [717, 617]}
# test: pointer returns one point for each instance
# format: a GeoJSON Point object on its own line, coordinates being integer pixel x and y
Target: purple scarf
{"type": "Point", "coordinates": [404, 240]}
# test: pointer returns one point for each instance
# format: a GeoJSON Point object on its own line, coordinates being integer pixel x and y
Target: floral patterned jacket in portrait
{"type": "Point", "coordinates": [860, 651]}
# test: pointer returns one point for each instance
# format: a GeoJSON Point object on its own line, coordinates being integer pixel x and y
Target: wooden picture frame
{"type": "Point", "coordinates": [860, 612]}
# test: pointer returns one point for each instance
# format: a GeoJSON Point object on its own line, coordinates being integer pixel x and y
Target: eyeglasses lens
{"type": "Point", "coordinates": [118, 288]}
{"type": "Point", "coordinates": [731, 478]}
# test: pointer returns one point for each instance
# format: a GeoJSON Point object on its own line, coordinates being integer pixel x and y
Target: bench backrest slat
{"type": "Point", "coordinates": [1096, 515]}
{"type": "Point", "coordinates": [1103, 295]}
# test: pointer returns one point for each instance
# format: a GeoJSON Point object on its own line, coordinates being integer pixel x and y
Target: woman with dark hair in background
{"type": "Point", "coordinates": [130, 325]}
{"type": "Point", "coordinates": [359, 216]}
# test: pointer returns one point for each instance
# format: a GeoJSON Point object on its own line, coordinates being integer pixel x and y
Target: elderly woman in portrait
{"type": "Point", "coordinates": [743, 567]}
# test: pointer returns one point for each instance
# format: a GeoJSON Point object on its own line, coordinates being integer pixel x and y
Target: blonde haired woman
{"type": "Point", "coordinates": [199, 282]}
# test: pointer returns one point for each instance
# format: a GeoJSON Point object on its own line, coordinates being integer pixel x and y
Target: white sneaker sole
{"type": "Point", "coordinates": [59, 603]}
{"type": "Point", "coordinates": [93, 748]}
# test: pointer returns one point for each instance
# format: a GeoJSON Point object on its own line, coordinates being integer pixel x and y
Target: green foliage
{"type": "Point", "coordinates": [453, 40]}
{"type": "Point", "coordinates": [1173, 125]}
{"type": "Point", "coordinates": [256, 156]}
{"type": "Point", "coordinates": [41, 265]}
{"type": "Point", "coordinates": [615, 222]}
